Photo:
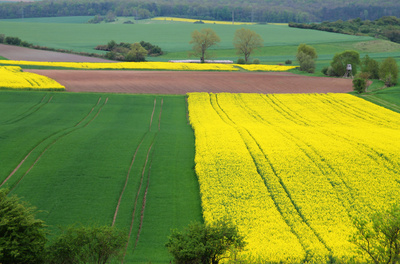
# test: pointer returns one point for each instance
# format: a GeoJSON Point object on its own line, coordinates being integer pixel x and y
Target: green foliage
{"type": "Point", "coordinates": [306, 56]}
{"type": "Point", "coordinates": [87, 245]}
{"type": "Point", "coordinates": [201, 243]}
{"type": "Point", "coordinates": [308, 50]}
{"type": "Point", "coordinates": [288, 62]}
{"type": "Point", "coordinates": [386, 27]}
{"type": "Point", "coordinates": [241, 61]}
{"type": "Point", "coordinates": [371, 67]}
{"type": "Point", "coordinates": [246, 41]}
{"type": "Point", "coordinates": [340, 61]}
{"type": "Point", "coordinates": [388, 72]}
{"type": "Point", "coordinates": [203, 40]}
{"type": "Point", "coordinates": [359, 85]}
{"type": "Point", "coordinates": [256, 61]}
{"type": "Point", "coordinates": [378, 238]}
{"type": "Point", "coordinates": [22, 236]}
{"type": "Point", "coordinates": [137, 53]}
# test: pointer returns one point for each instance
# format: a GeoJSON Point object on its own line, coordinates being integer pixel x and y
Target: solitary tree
{"type": "Point", "coordinates": [202, 40]}
{"type": "Point", "coordinates": [205, 244]}
{"type": "Point", "coordinates": [22, 236]}
{"type": "Point", "coordinates": [246, 41]}
{"type": "Point", "coordinates": [379, 237]}
{"type": "Point", "coordinates": [306, 56]}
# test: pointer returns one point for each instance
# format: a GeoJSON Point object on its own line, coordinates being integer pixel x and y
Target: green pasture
{"type": "Point", "coordinates": [170, 37]}
{"type": "Point", "coordinates": [81, 147]}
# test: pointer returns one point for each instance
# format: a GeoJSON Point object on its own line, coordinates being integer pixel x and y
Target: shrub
{"type": "Point", "coordinates": [306, 56]}
{"type": "Point", "coordinates": [359, 85]}
{"type": "Point", "coordinates": [307, 63]}
{"type": "Point", "coordinates": [256, 61]}
{"type": "Point", "coordinates": [330, 71]}
{"type": "Point", "coordinates": [371, 67]}
{"type": "Point", "coordinates": [241, 61]}
{"type": "Point", "coordinates": [340, 61]}
{"type": "Point", "coordinates": [288, 62]}
{"type": "Point", "coordinates": [325, 70]}
{"type": "Point", "coordinates": [388, 72]}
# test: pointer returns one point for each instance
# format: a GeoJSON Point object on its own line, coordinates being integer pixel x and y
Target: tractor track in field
{"type": "Point", "coordinates": [29, 112]}
{"type": "Point", "coordinates": [73, 129]}
{"type": "Point", "coordinates": [142, 178]}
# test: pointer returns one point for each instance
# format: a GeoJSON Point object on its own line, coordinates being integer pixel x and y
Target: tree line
{"type": "Point", "coordinates": [387, 27]}
{"type": "Point", "coordinates": [258, 11]}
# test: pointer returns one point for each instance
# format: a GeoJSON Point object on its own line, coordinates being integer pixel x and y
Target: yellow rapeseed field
{"type": "Point", "coordinates": [292, 170]}
{"type": "Point", "coordinates": [12, 77]}
{"type": "Point", "coordinates": [151, 66]}
{"type": "Point", "coordinates": [188, 20]}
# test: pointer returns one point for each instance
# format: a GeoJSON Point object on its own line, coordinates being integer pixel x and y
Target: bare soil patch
{"type": "Point", "coordinates": [173, 82]}
{"type": "Point", "coordinates": [20, 53]}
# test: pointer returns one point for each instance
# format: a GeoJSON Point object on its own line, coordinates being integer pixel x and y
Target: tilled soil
{"type": "Point", "coordinates": [26, 54]}
{"type": "Point", "coordinates": [175, 82]}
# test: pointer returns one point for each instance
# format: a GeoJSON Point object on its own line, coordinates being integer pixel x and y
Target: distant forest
{"type": "Point", "coordinates": [387, 27]}
{"type": "Point", "coordinates": [259, 11]}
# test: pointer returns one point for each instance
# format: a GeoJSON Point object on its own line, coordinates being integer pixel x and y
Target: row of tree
{"type": "Point", "coordinates": [255, 10]}
{"type": "Point", "coordinates": [387, 27]}
{"type": "Point", "coordinates": [245, 42]}
{"type": "Point", "coordinates": [387, 71]}
{"type": "Point", "coordinates": [130, 52]}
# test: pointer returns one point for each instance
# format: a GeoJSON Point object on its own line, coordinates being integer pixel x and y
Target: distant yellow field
{"type": "Point", "coordinates": [176, 19]}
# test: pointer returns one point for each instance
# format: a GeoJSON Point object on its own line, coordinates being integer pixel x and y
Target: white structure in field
{"type": "Point", "coordinates": [349, 71]}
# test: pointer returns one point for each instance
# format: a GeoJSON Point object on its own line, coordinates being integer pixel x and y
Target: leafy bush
{"type": "Point", "coordinates": [241, 61]}
{"type": "Point", "coordinates": [359, 85]}
{"type": "Point", "coordinates": [201, 243]}
{"type": "Point", "coordinates": [288, 62]}
{"type": "Point", "coordinates": [388, 72]}
{"type": "Point", "coordinates": [256, 61]}
{"type": "Point", "coordinates": [87, 245]}
{"type": "Point", "coordinates": [307, 63]}
{"type": "Point", "coordinates": [340, 61]}
{"type": "Point", "coordinates": [371, 67]}
{"type": "Point", "coordinates": [325, 70]}
{"type": "Point", "coordinates": [306, 56]}
{"type": "Point", "coordinates": [22, 237]}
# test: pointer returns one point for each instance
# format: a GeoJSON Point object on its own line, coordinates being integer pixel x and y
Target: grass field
{"type": "Point", "coordinates": [85, 152]}
{"type": "Point", "coordinates": [170, 37]}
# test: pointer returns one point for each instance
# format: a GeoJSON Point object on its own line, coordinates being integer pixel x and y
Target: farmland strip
{"type": "Point", "coordinates": [300, 226]}
{"type": "Point", "coordinates": [47, 147]}
{"type": "Point", "coordinates": [29, 112]}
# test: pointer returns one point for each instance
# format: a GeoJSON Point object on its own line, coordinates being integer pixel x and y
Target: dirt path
{"type": "Point", "coordinates": [173, 82]}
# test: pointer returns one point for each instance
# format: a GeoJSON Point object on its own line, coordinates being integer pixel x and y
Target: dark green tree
{"type": "Point", "coordinates": [87, 245]}
{"type": "Point", "coordinates": [389, 71]}
{"type": "Point", "coordinates": [306, 56]}
{"type": "Point", "coordinates": [340, 61]}
{"type": "Point", "coordinates": [204, 244]}
{"type": "Point", "coordinates": [371, 67]}
{"type": "Point", "coordinates": [137, 53]}
{"type": "Point", "coordinates": [379, 237]}
{"type": "Point", "coordinates": [22, 236]}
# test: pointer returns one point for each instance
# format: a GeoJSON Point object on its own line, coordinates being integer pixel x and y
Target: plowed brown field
{"type": "Point", "coordinates": [173, 82]}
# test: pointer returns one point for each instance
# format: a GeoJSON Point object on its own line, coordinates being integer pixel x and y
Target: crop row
{"type": "Point", "coordinates": [293, 170]}
{"type": "Point", "coordinates": [151, 66]}
{"type": "Point", "coordinates": [14, 78]}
